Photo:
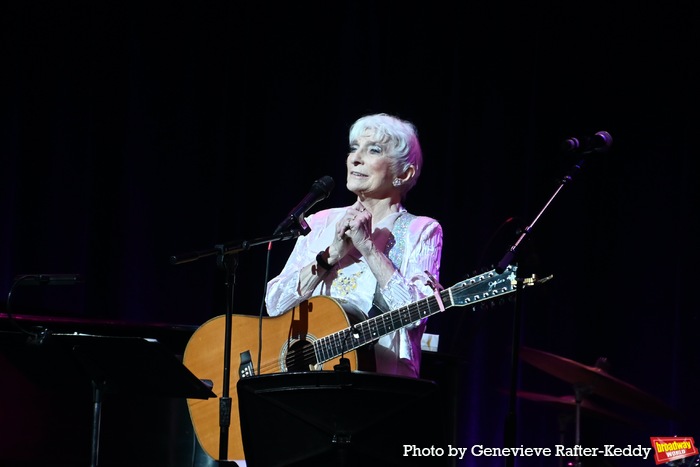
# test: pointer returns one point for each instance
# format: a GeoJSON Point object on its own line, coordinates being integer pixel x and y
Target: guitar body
{"type": "Point", "coordinates": [284, 339]}
{"type": "Point", "coordinates": [317, 330]}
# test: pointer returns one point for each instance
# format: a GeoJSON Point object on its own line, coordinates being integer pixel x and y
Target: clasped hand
{"type": "Point", "coordinates": [354, 229]}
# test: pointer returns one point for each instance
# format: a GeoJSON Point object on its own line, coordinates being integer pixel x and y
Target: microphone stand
{"type": "Point", "coordinates": [227, 260]}
{"type": "Point", "coordinates": [511, 419]}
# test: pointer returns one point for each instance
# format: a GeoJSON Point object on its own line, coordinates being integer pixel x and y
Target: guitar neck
{"type": "Point", "coordinates": [354, 337]}
{"type": "Point", "coordinates": [469, 292]}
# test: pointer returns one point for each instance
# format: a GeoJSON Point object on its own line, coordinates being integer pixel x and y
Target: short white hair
{"type": "Point", "coordinates": [401, 137]}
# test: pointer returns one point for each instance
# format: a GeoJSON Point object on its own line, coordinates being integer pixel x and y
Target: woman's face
{"type": "Point", "coordinates": [370, 173]}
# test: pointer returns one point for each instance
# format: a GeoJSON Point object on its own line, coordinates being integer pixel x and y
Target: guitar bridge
{"type": "Point", "coordinates": [246, 367]}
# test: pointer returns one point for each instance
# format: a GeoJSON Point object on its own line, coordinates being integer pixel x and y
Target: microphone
{"type": "Point", "coordinates": [600, 142]}
{"type": "Point", "coordinates": [319, 191]}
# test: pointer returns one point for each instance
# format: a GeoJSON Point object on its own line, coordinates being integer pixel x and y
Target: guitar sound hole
{"type": "Point", "coordinates": [300, 356]}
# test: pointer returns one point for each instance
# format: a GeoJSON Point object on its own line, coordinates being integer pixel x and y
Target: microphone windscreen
{"type": "Point", "coordinates": [324, 185]}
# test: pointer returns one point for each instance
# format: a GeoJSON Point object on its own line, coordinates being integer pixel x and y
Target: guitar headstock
{"type": "Point", "coordinates": [486, 286]}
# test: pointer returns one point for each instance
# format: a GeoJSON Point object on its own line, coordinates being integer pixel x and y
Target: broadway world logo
{"type": "Point", "coordinates": [672, 448]}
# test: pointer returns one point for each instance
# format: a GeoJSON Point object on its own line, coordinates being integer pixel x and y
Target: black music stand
{"type": "Point", "coordinates": [130, 365]}
{"type": "Point", "coordinates": [338, 418]}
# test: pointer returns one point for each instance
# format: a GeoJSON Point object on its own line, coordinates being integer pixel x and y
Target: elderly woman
{"type": "Point", "coordinates": [373, 256]}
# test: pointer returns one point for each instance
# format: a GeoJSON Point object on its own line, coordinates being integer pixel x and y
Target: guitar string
{"type": "Point", "coordinates": [308, 352]}
{"type": "Point", "coordinates": [338, 341]}
{"type": "Point", "coordinates": [396, 322]}
{"type": "Point", "coordinates": [335, 341]}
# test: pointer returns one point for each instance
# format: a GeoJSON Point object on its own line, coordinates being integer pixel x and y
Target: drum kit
{"type": "Point", "coordinates": [590, 380]}
{"type": "Point", "coordinates": [595, 380]}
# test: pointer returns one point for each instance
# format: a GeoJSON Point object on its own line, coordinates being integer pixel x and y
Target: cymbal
{"type": "Point", "coordinates": [569, 402]}
{"type": "Point", "coordinates": [596, 380]}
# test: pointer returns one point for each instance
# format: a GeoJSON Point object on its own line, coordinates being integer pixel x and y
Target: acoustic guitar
{"type": "Point", "coordinates": [314, 335]}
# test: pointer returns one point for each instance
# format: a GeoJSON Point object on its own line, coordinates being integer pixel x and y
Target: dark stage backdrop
{"type": "Point", "coordinates": [132, 132]}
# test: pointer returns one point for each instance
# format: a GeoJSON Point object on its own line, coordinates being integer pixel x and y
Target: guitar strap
{"type": "Point", "coordinates": [394, 250]}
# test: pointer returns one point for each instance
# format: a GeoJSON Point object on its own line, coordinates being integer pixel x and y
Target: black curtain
{"type": "Point", "coordinates": [134, 132]}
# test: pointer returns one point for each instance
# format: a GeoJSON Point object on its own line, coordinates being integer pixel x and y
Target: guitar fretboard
{"type": "Point", "coordinates": [372, 329]}
{"type": "Point", "coordinates": [471, 291]}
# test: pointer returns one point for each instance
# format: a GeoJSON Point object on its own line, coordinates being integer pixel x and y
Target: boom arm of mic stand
{"type": "Point", "coordinates": [510, 254]}
{"type": "Point", "coordinates": [510, 424]}
{"type": "Point", "coordinates": [231, 248]}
